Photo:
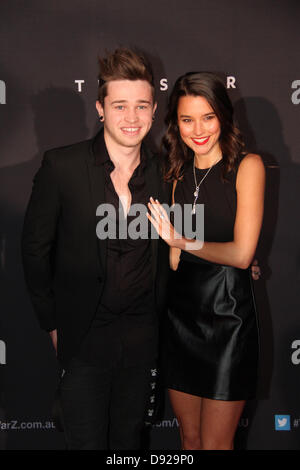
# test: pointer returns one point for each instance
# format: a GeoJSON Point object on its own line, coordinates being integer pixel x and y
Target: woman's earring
{"type": "Point", "coordinates": [101, 118]}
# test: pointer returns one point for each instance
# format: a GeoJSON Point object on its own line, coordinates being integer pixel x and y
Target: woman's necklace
{"type": "Point", "coordinates": [197, 185]}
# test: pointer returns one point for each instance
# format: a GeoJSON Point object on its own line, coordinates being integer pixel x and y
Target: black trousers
{"type": "Point", "coordinates": [104, 408]}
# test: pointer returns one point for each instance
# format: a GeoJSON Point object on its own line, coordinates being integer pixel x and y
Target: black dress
{"type": "Point", "coordinates": [211, 328]}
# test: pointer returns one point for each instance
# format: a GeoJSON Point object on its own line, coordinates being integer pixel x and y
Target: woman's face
{"type": "Point", "coordinates": [199, 126]}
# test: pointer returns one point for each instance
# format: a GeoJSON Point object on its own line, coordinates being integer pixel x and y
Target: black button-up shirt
{"type": "Point", "coordinates": [125, 324]}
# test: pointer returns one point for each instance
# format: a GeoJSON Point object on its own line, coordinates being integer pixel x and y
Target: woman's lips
{"type": "Point", "coordinates": [201, 141]}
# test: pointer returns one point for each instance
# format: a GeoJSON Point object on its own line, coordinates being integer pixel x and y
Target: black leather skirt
{"type": "Point", "coordinates": [211, 332]}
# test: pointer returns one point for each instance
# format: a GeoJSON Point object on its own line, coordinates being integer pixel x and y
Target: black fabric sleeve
{"type": "Point", "coordinates": [38, 242]}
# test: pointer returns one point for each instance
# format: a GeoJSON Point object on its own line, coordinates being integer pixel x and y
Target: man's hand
{"type": "Point", "coordinates": [53, 336]}
{"type": "Point", "coordinates": [255, 270]}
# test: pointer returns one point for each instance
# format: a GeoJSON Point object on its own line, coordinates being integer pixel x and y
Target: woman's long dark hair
{"type": "Point", "coordinates": [177, 153]}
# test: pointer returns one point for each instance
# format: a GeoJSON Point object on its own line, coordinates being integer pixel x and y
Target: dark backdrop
{"type": "Point", "coordinates": [46, 47]}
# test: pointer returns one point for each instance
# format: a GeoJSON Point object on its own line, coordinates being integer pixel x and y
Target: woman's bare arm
{"type": "Point", "coordinates": [250, 187]}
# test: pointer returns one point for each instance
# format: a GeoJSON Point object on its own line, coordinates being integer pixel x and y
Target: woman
{"type": "Point", "coordinates": [211, 331]}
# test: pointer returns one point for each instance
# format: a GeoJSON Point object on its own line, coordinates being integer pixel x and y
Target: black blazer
{"type": "Point", "coordinates": [64, 261]}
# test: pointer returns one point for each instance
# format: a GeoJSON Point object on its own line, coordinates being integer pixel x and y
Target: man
{"type": "Point", "coordinates": [100, 298]}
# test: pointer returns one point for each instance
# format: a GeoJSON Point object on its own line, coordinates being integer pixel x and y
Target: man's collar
{"type": "Point", "coordinates": [99, 149]}
{"type": "Point", "coordinates": [101, 154]}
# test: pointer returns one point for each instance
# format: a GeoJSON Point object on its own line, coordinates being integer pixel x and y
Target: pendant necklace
{"type": "Point", "coordinates": [197, 185]}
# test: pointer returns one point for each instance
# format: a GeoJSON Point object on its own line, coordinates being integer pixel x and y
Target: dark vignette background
{"type": "Point", "coordinates": [46, 46]}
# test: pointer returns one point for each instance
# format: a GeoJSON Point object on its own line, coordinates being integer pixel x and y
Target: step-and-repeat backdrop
{"type": "Point", "coordinates": [48, 88]}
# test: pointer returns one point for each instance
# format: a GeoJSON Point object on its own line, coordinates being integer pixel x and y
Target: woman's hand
{"type": "Point", "coordinates": [255, 270]}
{"type": "Point", "coordinates": [161, 222]}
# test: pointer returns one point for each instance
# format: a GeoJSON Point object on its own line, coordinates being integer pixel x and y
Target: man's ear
{"type": "Point", "coordinates": [154, 107]}
{"type": "Point", "coordinates": [100, 109]}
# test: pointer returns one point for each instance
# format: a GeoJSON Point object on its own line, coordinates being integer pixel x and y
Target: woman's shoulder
{"type": "Point", "coordinates": [250, 160]}
{"type": "Point", "coordinates": [251, 166]}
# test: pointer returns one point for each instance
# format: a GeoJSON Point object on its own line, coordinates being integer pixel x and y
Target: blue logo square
{"type": "Point", "coordinates": [282, 422]}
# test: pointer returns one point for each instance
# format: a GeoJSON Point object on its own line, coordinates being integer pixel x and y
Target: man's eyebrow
{"type": "Point", "coordinates": [118, 101]}
{"type": "Point", "coordinates": [125, 101]}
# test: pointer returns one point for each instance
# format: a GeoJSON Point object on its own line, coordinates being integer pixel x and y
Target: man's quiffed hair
{"type": "Point", "coordinates": [123, 64]}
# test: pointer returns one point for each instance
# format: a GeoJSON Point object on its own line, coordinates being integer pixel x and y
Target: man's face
{"type": "Point", "coordinates": [128, 110]}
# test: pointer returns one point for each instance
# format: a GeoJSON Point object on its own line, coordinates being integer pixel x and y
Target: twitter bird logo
{"type": "Point", "coordinates": [282, 422]}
